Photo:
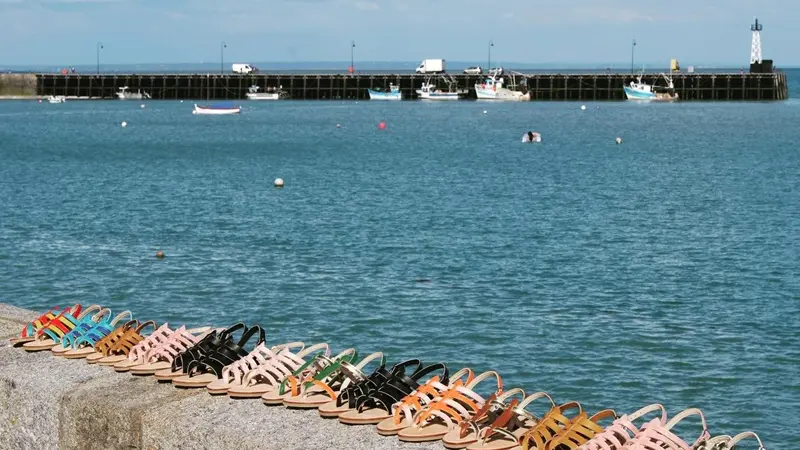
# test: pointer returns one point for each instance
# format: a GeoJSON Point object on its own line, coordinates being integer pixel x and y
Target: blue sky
{"type": "Point", "coordinates": [697, 32]}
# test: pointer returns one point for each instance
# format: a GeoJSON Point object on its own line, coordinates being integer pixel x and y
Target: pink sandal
{"type": "Point", "coordinates": [160, 357]}
{"type": "Point", "coordinates": [657, 436]}
{"type": "Point", "coordinates": [622, 431]}
{"type": "Point", "coordinates": [138, 354]}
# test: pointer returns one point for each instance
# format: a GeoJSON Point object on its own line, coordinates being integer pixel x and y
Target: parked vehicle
{"type": "Point", "coordinates": [244, 68]}
{"type": "Point", "coordinates": [473, 70]}
{"type": "Point", "coordinates": [431, 66]}
{"type": "Point", "coordinates": [496, 71]}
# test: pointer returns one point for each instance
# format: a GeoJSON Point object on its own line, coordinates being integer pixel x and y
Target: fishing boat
{"type": "Point", "coordinates": [639, 90]}
{"type": "Point", "coordinates": [429, 91]}
{"type": "Point", "coordinates": [270, 94]}
{"type": "Point", "coordinates": [493, 88]}
{"type": "Point", "coordinates": [390, 93]}
{"type": "Point", "coordinates": [217, 109]}
{"type": "Point", "coordinates": [123, 94]}
{"type": "Point", "coordinates": [56, 99]}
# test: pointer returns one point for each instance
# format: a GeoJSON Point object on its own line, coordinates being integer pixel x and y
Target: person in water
{"type": "Point", "coordinates": [530, 136]}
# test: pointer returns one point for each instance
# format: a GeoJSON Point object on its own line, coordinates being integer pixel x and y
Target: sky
{"type": "Point", "coordinates": [591, 32]}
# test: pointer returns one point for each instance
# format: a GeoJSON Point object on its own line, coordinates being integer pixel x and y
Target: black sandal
{"type": "Point", "coordinates": [377, 405]}
{"type": "Point", "coordinates": [213, 340]}
{"type": "Point", "coordinates": [208, 367]}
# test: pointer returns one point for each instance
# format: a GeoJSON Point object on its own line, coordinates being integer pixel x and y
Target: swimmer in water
{"type": "Point", "coordinates": [530, 136]}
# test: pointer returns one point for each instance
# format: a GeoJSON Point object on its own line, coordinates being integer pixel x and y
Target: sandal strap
{"type": "Point", "coordinates": [40, 322]}
{"type": "Point", "coordinates": [623, 430]}
{"type": "Point", "coordinates": [657, 436]}
{"type": "Point", "coordinates": [747, 434]}
{"type": "Point", "coordinates": [509, 417]}
{"type": "Point", "coordinates": [225, 354]}
{"type": "Point", "coordinates": [549, 427]}
{"type": "Point", "coordinates": [158, 337]}
{"type": "Point", "coordinates": [362, 388]}
{"type": "Point", "coordinates": [581, 429]}
{"type": "Point", "coordinates": [324, 370]}
{"type": "Point", "coordinates": [398, 385]}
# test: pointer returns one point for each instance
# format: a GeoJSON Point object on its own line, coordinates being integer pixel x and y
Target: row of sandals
{"type": "Point", "coordinates": [417, 403]}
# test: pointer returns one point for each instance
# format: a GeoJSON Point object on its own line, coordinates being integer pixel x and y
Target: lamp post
{"type": "Point", "coordinates": [633, 49]}
{"type": "Point", "coordinates": [222, 47]}
{"type": "Point", "coordinates": [352, 55]}
{"type": "Point", "coordinates": [491, 44]}
{"type": "Point", "coordinates": [99, 47]}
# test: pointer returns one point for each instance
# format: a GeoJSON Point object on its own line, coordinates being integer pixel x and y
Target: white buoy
{"type": "Point", "coordinates": [181, 101]}
{"type": "Point", "coordinates": [485, 112]}
{"type": "Point", "coordinates": [338, 126]}
{"type": "Point", "coordinates": [124, 124]}
{"type": "Point", "coordinates": [142, 105]}
{"type": "Point", "coordinates": [583, 107]}
{"type": "Point", "coordinates": [278, 182]}
{"type": "Point", "coordinates": [619, 140]}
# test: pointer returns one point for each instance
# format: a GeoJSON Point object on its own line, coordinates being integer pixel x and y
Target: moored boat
{"type": "Point", "coordinates": [639, 90]}
{"type": "Point", "coordinates": [429, 91]}
{"type": "Point", "coordinates": [390, 93]}
{"type": "Point", "coordinates": [493, 88]}
{"type": "Point", "coordinates": [270, 94]}
{"type": "Point", "coordinates": [56, 99]}
{"type": "Point", "coordinates": [123, 94]}
{"type": "Point", "coordinates": [217, 109]}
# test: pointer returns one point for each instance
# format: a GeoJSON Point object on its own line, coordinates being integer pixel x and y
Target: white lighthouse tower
{"type": "Point", "coordinates": [755, 47]}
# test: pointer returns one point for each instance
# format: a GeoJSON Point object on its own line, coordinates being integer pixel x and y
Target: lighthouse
{"type": "Point", "coordinates": [755, 46]}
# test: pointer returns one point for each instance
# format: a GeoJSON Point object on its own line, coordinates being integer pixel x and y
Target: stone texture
{"type": "Point", "coordinates": [48, 402]}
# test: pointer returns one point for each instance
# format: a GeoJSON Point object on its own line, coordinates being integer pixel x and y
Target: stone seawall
{"type": "Point", "coordinates": [18, 84]}
{"type": "Point", "coordinates": [53, 403]}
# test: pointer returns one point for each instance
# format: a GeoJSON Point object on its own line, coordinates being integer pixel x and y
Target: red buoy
{"type": "Point", "coordinates": [382, 125]}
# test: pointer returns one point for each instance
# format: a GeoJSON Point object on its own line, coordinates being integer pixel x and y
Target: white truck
{"type": "Point", "coordinates": [244, 68]}
{"type": "Point", "coordinates": [431, 66]}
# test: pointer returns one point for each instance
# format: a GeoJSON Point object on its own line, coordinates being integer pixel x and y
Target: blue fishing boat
{"type": "Point", "coordinates": [391, 93]}
{"type": "Point", "coordinates": [639, 90]}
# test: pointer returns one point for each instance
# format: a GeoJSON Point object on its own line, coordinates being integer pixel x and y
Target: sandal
{"type": "Point", "coordinates": [119, 350]}
{"type": "Point", "coordinates": [159, 358]}
{"type": "Point", "coordinates": [482, 429]}
{"type": "Point", "coordinates": [545, 429]}
{"type": "Point", "coordinates": [623, 430]}
{"type": "Point", "coordinates": [233, 374]}
{"type": "Point", "coordinates": [325, 390]}
{"type": "Point", "coordinates": [86, 324]}
{"type": "Point", "coordinates": [50, 335]}
{"type": "Point", "coordinates": [580, 430]}
{"type": "Point", "coordinates": [406, 410]}
{"type": "Point", "coordinates": [138, 354]}
{"type": "Point", "coordinates": [377, 405]}
{"type": "Point", "coordinates": [102, 346]}
{"type": "Point", "coordinates": [28, 333]}
{"type": "Point", "coordinates": [269, 376]}
{"type": "Point", "coordinates": [654, 435]}
{"type": "Point", "coordinates": [214, 339]}
{"type": "Point", "coordinates": [456, 405]}
{"type": "Point", "coordinates": [322, 368]}
{"type": "Point", "coordinates": [355, 383]}
{"type": "Point", "coordinates": [83, 346]}
{"type": "Point", "coordinates": [208, 368]}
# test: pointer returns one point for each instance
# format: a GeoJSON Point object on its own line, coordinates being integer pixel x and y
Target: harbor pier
{"type": "Point", "coordinates": [542, 86]}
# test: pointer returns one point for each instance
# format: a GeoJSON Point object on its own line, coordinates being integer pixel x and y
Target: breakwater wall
{"type": "Point", "coordinates": [55, 403]}
{"type": "Point", "coordinates": [18, 84]}
{"type": "Point", "coordinates": [543, 87]}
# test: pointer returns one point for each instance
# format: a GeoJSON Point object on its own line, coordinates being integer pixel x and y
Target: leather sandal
{"type": "Point", "coordinates": [213, 340]}
{"type": "Point", "coordinates": [506, 412]}
{"type": "Point", "coordinates": [580, 430]}
{"type": "Point", "coordinates": [623, 430]}
{"type": "Point", "coordinates": [86, 324]}
{"type": "Point", "coordinates": [405, 412]}
{"type": "Point", "coordinates": [356, 382]}
{"type": "Point", "coordinates": [50, 335]}
{"type": "Point", "coordinates": [658, 435]}
{"type": "Point", "coordinates": [269, 376]}
{"type": "Point", "coordinates": [28, 333]}
{"type": "Point", "coordinates": [160, 357]}
{"type": "Point", "coordinates": [102, 346]}
{"type": "Point", "coordinates": [545, 429]}
{"type": "Point", "coordinates": [457, 404]}
{"type": "Point", "coordinates": [120, 349]}
{"type": "Point", "coordinates": [83, 346]}
{"type": "Point", "coordinates": [138, 354]}
{"type": "Point", "coordinates": [324, 390]}
{"type": "Point", "coordinates": [208, 368]}
{"type": "Point", "coordinates": [302, 381]}
{"type": "Point", "coordinates": [233, 374]}
{"type": "Point", "coordinates": [376, 406]}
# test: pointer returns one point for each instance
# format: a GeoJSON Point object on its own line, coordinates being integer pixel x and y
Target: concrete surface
{"type": "Point", "coordinates": [54, 403]}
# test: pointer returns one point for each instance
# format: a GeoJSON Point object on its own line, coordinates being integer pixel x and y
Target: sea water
{"type": "Point", "coordinates": [663, 269]}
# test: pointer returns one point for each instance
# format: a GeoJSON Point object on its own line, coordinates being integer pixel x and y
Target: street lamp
{"type": "Point", "coordinates": [352, 53]}
{"type": "Point", "coordinates": [222, 47]}
{"type": "Point", "coordinates": [491, 44]}
{"type": "Point", "coordinates": [633, 49]}
{"type": "Point", "coordinates": [99, 46]}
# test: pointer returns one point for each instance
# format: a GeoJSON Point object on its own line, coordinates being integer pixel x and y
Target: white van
{"type": "Point", "coordinates": [244, 68]}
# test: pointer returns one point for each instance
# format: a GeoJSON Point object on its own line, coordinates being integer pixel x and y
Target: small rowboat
{"type": "Point", "coordinates": [217, 109]}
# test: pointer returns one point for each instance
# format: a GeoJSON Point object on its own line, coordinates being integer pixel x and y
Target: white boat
{"type": "Point", "coordinates": [123, 94]}
{"type": "Point", "coordinates": [217, 109]}
{"type": "Point", "coordinates": [493, 88]}
{"type": "Point", "coordinates": [56, 99]}
{"type": "Point", "coordinates": [391, 93]}
{"type": "Point", "coordinates": [639, 90]}
{"type": "Point", "coordinates": [253, 94]}
{"type": "Point", "coordinates": [429, 91]}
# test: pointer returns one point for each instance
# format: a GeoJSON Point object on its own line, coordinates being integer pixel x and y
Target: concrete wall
{"type": "Point", "coordinates": [54, 403]}
{"type": "Point", "coordinates": [17, 84]}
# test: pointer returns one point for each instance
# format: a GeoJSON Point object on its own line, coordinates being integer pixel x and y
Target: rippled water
{"type": "Point", "coordinates": [663, 269]}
